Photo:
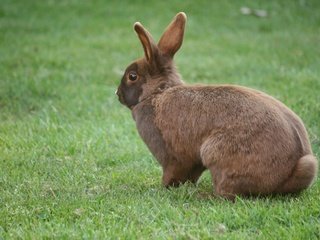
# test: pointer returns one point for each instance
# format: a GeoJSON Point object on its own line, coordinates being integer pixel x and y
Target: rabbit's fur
{"type": "Point", "coordinates": [251, 143]}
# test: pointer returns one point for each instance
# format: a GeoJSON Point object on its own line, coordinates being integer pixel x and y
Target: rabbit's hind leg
{"type": "Point", "coordinates": [229, 184]}
{"type": "Point", "coordinates": [229, 173]}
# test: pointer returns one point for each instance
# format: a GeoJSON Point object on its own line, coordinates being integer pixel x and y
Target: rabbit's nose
{"type": "Point", "coordinates": [116, 92]}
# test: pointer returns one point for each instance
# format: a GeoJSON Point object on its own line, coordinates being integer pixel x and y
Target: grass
{"type": "Point", "coordinates": [71, 162]}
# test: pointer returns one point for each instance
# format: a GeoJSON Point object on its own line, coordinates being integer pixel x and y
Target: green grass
{"type": "Point", "coordinates": [71, 162]}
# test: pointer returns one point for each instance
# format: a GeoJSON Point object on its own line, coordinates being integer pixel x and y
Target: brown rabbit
{"type": "Point", "coordinates": [251, 143]}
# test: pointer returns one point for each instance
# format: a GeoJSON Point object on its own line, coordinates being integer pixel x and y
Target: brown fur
{"type": "Point", "coordinates": [251, 143]}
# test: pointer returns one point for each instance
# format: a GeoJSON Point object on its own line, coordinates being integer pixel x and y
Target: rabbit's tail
{"type": "Point", "coordinates": [302, 176]}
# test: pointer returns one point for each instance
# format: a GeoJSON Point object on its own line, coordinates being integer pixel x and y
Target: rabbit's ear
{"type": "Point", "coordinates": [172, 37]}
{"type": "Point", "coordinates": [146, 40]}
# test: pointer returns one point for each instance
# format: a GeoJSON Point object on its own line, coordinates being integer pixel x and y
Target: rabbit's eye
{"type": "Point", "coordinates": [132, 76]}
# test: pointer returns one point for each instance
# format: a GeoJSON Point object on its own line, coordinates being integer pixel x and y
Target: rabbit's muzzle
{"type": "Point", "coordinates": [120, 96]}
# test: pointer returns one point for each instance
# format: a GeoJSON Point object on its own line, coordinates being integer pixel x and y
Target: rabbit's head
{"type": "Point", "coordinates": [155, 72]}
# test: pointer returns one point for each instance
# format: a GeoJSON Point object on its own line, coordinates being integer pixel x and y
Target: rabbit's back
{"type": "Point", "coordinates": [242, 121]}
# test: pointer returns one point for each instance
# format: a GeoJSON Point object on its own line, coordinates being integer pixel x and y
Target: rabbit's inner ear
{"type": "Point", "coordinates": [172, 37]}
{"type": "Point", "coordinates": [146, 40]}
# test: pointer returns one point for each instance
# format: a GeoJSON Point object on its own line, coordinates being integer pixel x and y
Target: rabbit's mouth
{"type": "Point", "coordinates": [120, 97]}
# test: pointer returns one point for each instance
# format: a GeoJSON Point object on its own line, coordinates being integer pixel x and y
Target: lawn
{"type": "Point", "coordinates": [71, 162]}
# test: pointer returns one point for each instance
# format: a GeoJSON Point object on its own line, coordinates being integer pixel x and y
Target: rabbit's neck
{"type": "Point", "coordinates": [157, 84]}
{"type": "Point", "coordinates": [149, 92]}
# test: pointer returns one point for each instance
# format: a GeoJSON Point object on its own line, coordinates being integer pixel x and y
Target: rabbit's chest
{"type": "Point", "coordinates": [150, 134]}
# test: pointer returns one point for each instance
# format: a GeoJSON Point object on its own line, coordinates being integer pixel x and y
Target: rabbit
{"type": "Point", "coordinates": [252, 144]}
